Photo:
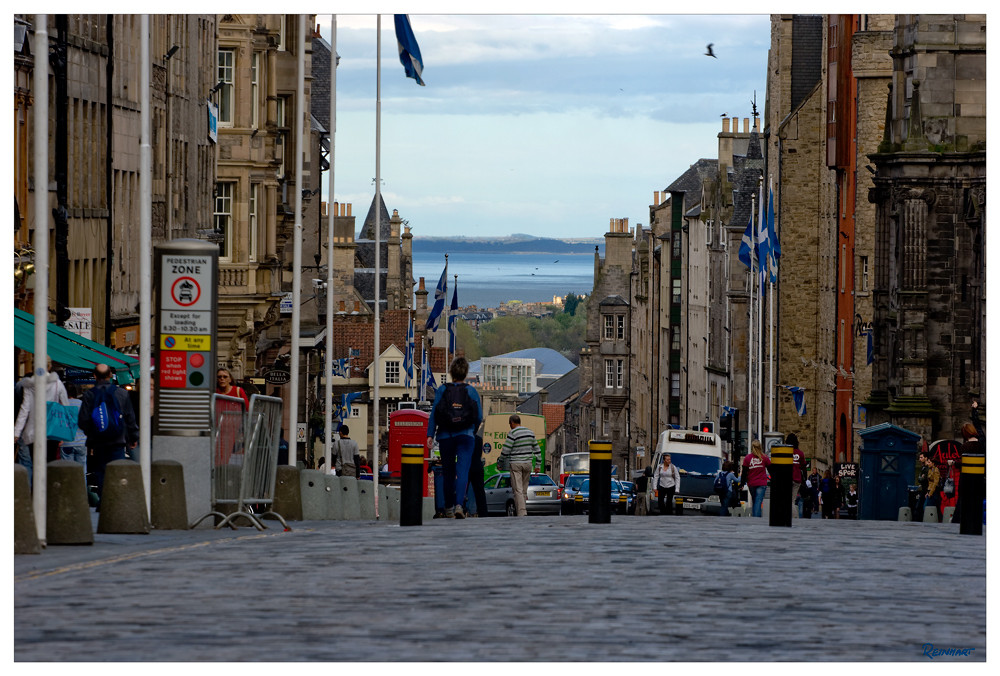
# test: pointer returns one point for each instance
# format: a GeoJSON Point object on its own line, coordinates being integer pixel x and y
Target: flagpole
{"type": "Point", "coordinates": [423, 374]}
{"type": "Point", "coordinates": [40, 86]}
{"type": "Point", "coordinates": [770, 306]}
{"type": "Point", "coordinates": [145, 260]}
{"type": "Point", "coordinates": [300, 108]}
{"type": "Point", "coordinates": [378, 243]}
{"type": "Point", "coordinates": [751, 419]}
{"type": "Point", "coordinates": [331, 219]}
{"type": "Point", "coordinates": [760, 311]}
{"type": "Point", "coordinates": [447, 314]}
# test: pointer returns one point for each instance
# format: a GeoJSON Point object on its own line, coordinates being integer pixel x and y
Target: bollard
{"type": "Point", "coordinates": [25, 529]}
{"type": "Point", "coordinates": [678, 505]}
{"type": "Point", "coordinates": [123, 500]}
{"type": "Point", "coordinates": [312, 485]}
{"type": "Point", "coordinates": [930, 514]}
{"type": "Point", "coordinates": [905, 514]}
{"type": "Point", "coordinates": [600, 482]}
{"type": "Point", "coordinates": [167, 498]}
{"type": "Point", "coordinates": [366, 499]}
{"type": "Point", "coordinates": [947, 514]}
{"type": "Point", "coordinates": [973, 492]}
{"type": "Point", "coordinates": [411, 486]}
{"type": "Point", "coordinates": [287, 493]}
{"type": "Point", "coordinates": [780, 512]}
{"type": "Point", "coordinates": [349, 495]}
{"type": "Point", "coordinates": [334, 498]}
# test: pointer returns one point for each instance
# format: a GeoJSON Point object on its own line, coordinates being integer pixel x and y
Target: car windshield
{"type": "Point", "coordinates": [696, 464]}
{"type": "Point", "coordinates": [574, 482]}
{"type": "Point", "coordinates": [585, 487]}
{"type": "Point", "coordinates": [540, 480]}
{"type": "Point", "coordinates": [576, 462]}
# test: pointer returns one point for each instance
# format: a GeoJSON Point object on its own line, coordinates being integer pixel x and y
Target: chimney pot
{"type": "Point", "coordinates": [725, 125]}
{"type": "Point", "coordinates": [746, 125]}
{"type": "Point", "coordinates": [348, 208]}
{"type": "Point", "coordinates": [422, 287]}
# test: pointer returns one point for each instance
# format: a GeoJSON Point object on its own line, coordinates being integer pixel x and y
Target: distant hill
{"type": "Point", "coordinates": [510, 244]}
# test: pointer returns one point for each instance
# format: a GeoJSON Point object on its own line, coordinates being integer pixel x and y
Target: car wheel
{"type": "Point", "coordinates": [511, 509]}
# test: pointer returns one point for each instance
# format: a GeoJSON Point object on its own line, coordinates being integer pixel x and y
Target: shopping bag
{"type": "Point", "coordinates": [60, 421]}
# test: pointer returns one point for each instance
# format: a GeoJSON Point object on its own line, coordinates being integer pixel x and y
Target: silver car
{"type": "Point", "coordinates": [542, 498]}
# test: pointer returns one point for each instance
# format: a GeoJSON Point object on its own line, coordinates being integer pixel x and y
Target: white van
{"type": "Point", "coordinates": [698, 456]}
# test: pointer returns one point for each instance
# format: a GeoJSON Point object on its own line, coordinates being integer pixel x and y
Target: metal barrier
{"type": "Point", "coordinates": [245, 458]}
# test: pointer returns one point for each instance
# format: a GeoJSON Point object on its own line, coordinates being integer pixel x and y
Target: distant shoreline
{"type": "Point", "coordinates": [506, 246]}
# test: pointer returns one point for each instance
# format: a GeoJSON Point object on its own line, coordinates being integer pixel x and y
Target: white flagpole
{"type": "Point", "coordinates": [447, 314]}
{"type": "Point", "coordinates": [760, 316]}
{"type": "Point", "coordinates": [423, 373]}
{"type": "Point", "coordinates": [40, 86]}
{"type": "Point", "coordinates": [331, 219]}
{"type": "Point", "coordinates": [770, 328]}
{"type": "Point", "coordinates": [300, 109]}
{"type": "Point", "coordinates": [145, 260]}
{"type": "Point", "coordinates": [378, 244]}
{"type": "Point", "coordinates": [750, 344]}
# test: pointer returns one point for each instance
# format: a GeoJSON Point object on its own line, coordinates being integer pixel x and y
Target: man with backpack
{"type": "Point", "coordinates": [107, 418]}
{"type": "Point", "coordinates": [455, 416]}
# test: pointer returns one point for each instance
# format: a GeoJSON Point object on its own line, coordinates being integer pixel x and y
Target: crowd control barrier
{"type": "Point", "coordinates": [245, 459]}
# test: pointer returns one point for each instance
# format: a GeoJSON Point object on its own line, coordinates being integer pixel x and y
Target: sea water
{"type": "Point", "coordinates": [487, 280]}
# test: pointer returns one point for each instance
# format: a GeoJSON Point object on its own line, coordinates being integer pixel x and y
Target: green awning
{"type": "Point", "coordinates": [69, 349]}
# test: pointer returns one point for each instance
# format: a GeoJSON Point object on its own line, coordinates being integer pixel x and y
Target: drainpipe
{"type": "Point", "coordinates": [60, 213]}
{"type": "Point", "coordinates": [108, 174]}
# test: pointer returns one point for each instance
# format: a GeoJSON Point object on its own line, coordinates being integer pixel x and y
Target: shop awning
{"type": "Point", "coordinates": [69, 349]}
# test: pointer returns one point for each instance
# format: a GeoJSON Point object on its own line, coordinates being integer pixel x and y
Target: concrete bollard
{"type": "Point", "coordinates": [947, 514]}
{"type": "Point", "coordinates": [123, 500]}
{"type": "Point", "coordinates": [905, 514]}
{"type": "Point", "coordinates": [394, 503]}
{"type": "Point", "coordinates": [365, 500]}
{"type": "Point", "coordinates": [349, 495]}
{"type": "Point", "coordinates": [383, 502]}
{"type": "Point", "coordinates": [313, 489]}
{"type": "Point", "coordinates": [67, 510]}
{"type": "Point", "coordinates": [428, 509]}
{"type": "Point", "coordinates": [931, 514]}
{"type": "Point", "coordinates": [167, 497]}
{"type": "Point", "coordinates": [288, 493]}
{"type": "Point", "coordinates": [25, 527]}
{"type": "Point", "coordinates": [334, 498]}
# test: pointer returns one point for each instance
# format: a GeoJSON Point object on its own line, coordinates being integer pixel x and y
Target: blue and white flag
{"type": "Point", "coordinates": [440, 294]}
{"type": "Point", "coordinates": [748, 246]}
{"type": "Point", "coordinates": [408, 356]}
{"type": "Point", "coordinates": [728, 410]}
{"type": "Point", "coordinates": [428, 377]}
{"type": "Point", "coordinates": [452, 341]}
{"type": "Point", "coordinates": [341, 367]}
{"type": "Point", "coordinates": [871, 346]}
{"type": "Point", "coordinates": [799, 397]}
{"type": "Point", "coordinates": [774, 248]}
{"type": "Point", "coordinates": [344, 410]}
{"type": "Point", "coordinates": [409, 51]}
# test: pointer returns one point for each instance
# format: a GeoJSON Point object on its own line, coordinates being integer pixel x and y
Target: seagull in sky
{"type": "Point", "coordinates": [709, 52]}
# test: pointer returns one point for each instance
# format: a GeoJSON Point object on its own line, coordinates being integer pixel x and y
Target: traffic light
{"type": "Point", "coordinates": [706, 426]}
{"type": "Point", "coordinates": [726, 427]}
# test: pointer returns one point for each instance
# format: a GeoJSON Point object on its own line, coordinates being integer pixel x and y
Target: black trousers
{"type": "Point", "coordinates": [665, 495]}
{"type": "Point", "coordinates": [476, 477]}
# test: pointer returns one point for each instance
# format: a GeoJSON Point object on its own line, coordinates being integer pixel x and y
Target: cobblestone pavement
{"type": "Point", "coordinates": [506, 589]}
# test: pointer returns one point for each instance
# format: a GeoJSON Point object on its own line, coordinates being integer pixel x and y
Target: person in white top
{"type": "Point", "coordinates": [24, 427]}
{"type": "Point", "coordinates": [667, 480]}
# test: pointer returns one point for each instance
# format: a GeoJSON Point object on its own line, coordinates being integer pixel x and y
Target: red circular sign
{"type": "Point", "coordinates": [197, 360]}
{"type": "Point", "coordinates": [185, 291]}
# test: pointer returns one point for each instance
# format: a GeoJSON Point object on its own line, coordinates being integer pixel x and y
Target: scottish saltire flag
{"type": "Point", "coordinates": [344, 410]}
{"type": "Point", "coordinates": [409, 52]}
{"type": "Point", "coordinates": [799, 397]}
{"type": "Point", "coordinates": [428, 380]}
{"type": "Point", "coordinates": [871, 346]}
{"type": "Point", "coordinates": [440, 294]}
{"type": "Point", "coordinates": [408, 356]}
{"type": "Point", "coordinates": [774, 247]}
{"type": "Point", "coordinates": [748, 246]}
{"type": "Point", "coordinates": [452, 342]}
{"type": "Point", "coordinates": [341, 367]}
{"type": "Point", "coordinates": [728, 410]}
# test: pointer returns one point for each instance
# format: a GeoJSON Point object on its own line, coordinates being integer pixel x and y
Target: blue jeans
{"type": "Point", "coordinates": [76, 454]}
{"type": "Point", "coordinates": [102, 456]}
{"type": "Point", "coordinates": [758, 500]}
{"type": "Point", "coordinates": [724, 502]}
{"type": "Point", "coordinates": [24, 459]}
{"type": "Point", "coordinates": [456, 458]}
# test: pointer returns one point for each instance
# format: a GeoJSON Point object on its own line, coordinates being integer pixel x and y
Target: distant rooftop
{"type": "Point", "coordinates": [551, 363]}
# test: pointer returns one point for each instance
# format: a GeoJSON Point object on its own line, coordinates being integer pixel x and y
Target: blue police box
{"type": "Point", "coordinates": [888, 466]}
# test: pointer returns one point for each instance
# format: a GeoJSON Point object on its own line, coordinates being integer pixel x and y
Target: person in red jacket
{"type": "Point", "coordinates": [755, 475]}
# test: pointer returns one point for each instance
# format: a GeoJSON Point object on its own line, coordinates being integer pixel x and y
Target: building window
{"type": "Point", "coordinates": [864, 273]}
{"type": "Point", "coordinates": [224, 73]}
{"type": "Point", "coordinates": [675, 338]}
{"type": "Point", "coordinates": [620, 373]}
{"type": "Point", "coordinates": [620, 320]}
{"type": "Point", "coordinates": [392, 372]}
{"type": "Point", "coordinates": [708, 231]}
{"type": "Point", "coordinates": [677, 244]}
{"type": "Point", "coordinates": [282, 21]}
{"type": "Point", "coordinates": [355, 412]}
{"type": "Point", "coordinates": [605, 421]}
{"type": "Point", "coordinates": [254, 89]}
{"type": "Point", "coordinates": [675, 384]}
{"type": "Point", "coordinates": [675, 296]}
{"type": "Point", "coordinates": [253, 205]}
{"type": "Point", "coordinates": [843, 268]}
{"type": "Point", "coordinates": [609, 327]}
{"type": "Point", "coordinates": [223, 218]}
{"type": "Point", "coordinates": [609, 373]}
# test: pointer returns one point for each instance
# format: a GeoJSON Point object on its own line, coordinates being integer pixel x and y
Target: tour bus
{"type": "Point", "coordinates": [577, 463]}
{"type": "Point", "coordinates": [698, 456]}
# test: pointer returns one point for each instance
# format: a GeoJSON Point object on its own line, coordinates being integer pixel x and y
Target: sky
{"type": "Point", "coordinates": [543, 124]}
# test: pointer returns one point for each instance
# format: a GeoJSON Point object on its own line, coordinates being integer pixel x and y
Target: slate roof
{"type": "Point", "coordinates": [747, 172]}
{"type": "Point", "coordinates": [364, 256]}
{"type": "Point", "coordinates": [551, 363]}
{"type": "Point", "coordinates": [557, 392]}
{"type": "Point", "coordinates": [690, 180]}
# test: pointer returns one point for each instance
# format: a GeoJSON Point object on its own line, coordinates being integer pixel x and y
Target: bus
{"type": "Point", "coordinates": [573, 463]}
{"type": "Point", "coordinates": [698, 456]}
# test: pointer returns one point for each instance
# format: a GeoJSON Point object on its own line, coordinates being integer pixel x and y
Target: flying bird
{"type": "Point", "coordinates": [709, 52]}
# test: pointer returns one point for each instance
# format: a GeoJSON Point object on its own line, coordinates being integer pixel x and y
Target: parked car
{"type": "Point", "coordinates": [630, 491]}
{"type": "Point", "coordinates": [619, 497]}
{"type": "Point", "coordinates": [542, 498]}
{"type": "Point", "coordinates": [569, 491]}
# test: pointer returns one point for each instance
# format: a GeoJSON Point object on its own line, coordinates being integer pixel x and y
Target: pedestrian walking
{"type": "Point", "coordinates": [75, 450]}
{"type": "Point", "coordinates": [851, 501]}
{"type": "Point", "coordinates": [730, 483]}
{"type": "Point", "coordinates": [520, 448]}
{"type": "Point", "coordinates": [455, 415]}
{"type": "Point", "coordinates": [755, 476]}
{"type": "Point", "coordinates": [642, 488]}
{"type": "Point", "coordinates": [477, 477]}
{"type": "Point", "coordinates": [799, 469]}
{"type": "Point", "coordinates": [348, 457]}
{"type": "Point", "coordinates": [224, 385]}
{"type": "Point", "coordinates": [108, 419]}
{"type": "Point", "coordinates": [930, 484]}
{"type": "Point", "coordinates": [812, 483]}
{"type": "Point", "coordinates": [667, 481]}
{"type": "Point", "coordinates": [24, 426]}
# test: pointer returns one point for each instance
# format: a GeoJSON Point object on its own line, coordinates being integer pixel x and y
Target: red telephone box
{"type": "Point", "coordinates": [407, 426]}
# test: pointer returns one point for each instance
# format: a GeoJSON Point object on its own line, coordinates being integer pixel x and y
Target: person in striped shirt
{"type": "Point", "coordinates": [520, 447]}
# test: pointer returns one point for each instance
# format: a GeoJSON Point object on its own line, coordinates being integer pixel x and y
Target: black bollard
{"type": "Point", "coordinates": [781, 486]}
{"type": "Point", "coordinates": [678, 505]}
{"type": "Point", "coordinates": [600, 482]}
{"type": "Point", "coordinates": [411, 485]}
{"type": "Point", "coordinates": [973, 491]}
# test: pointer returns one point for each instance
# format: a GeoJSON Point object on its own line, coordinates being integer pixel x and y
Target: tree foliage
{"type": "Point", "coordinates": [563, 332]}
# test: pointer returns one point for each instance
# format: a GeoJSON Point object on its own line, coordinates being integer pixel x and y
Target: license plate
{"type": "Point", "coordinates": [692, 505]}
{"type": "Point", "coordinates": [543, 494]}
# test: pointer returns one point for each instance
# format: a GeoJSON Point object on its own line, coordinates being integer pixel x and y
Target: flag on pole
{"type": "Point", "coordinates": [799, 397]}
{"type": "Point", "coordinates": [428, 379]}
{"type": "Point", "coordinates": [341, 367]}
{"type": "Point", "coordinates": [774, 247]}
{"type": "Point", "coordinates": [440, 294]}
{"type": "Point", "coordinates": [344, 410]}
{"type": "Point", "coordinates": [409, 51]}
{"type": "Point", "coordinates": [408, 356]}
{"type": "Point", "coordinates": [452, 341]}
{"type": "Point", "coordinates": [748, 246]}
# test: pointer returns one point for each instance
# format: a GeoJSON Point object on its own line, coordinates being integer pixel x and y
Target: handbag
{"type": "Point", "coordinates": [503, 463]}
{"type": "Point", "coordinates": [949, 487]}
{"type": "Point", "coordinates": [60, 423]}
